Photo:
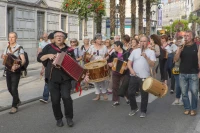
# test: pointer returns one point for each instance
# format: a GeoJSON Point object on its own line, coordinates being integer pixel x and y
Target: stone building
{"type": "Point", "coordinates": [31, 18]}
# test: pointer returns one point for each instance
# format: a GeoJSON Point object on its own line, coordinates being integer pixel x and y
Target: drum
{"type": "Point", "coordinates": [98, 70]}
{"type": "Point", "coordinates": [119, 66]}
{"type": "Point", "coordinates": [155, 87]}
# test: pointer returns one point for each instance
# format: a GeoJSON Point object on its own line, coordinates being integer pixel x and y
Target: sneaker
{"type": "Point", "coordinates": [59, 123]}
{"type": "Point", "coordinates": [128, 102]}
{"type": "Point", "coordinates": [142, 115]}
{"type": "Point", "coordinates": [70, 123]}
{"type": "Point", "coordinates": [133, 112]}
{"type": "Point", "coordinates": [187, 112]}
{"type": "Point", "coordinates": [115, 104]}
{"type": "Point", "coordinates": [193, 113]}
{"type": "Point", "coordinates": [172, 91]}
{"type": "Point", "coordinates": [13, 110]}
{"type": "Point", "coordinates": [176, 101]}
{"type": "Point", "coordinates": [43, 101]}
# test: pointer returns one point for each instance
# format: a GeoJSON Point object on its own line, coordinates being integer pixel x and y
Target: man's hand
{"type": "Point", "coordinates": [144, 55]}
{"type": "Point", "coordinates": [132, 73]}
{"type": "Point", "coordinates": [51, 56]}
{"type": "Point", "coordinates": [15, 67]}
{"type": "Point", "coordinates": [42, 72]}
{"type": "Point", "coordinates": [110, 64]}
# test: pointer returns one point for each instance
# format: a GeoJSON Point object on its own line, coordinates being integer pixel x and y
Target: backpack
{"type": "Point", "coordinates": [24, 67]}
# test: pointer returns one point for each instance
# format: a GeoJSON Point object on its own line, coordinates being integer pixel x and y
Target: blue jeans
{"type": "Point", "coordinates": [46, 92]}
{"type": "Point", "coordinates": [189, 81]}
{"type": "Point", "coordinates": [177, 86]}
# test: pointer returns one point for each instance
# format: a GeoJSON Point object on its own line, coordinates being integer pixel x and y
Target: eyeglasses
{"type": "Point", "coordinates": [59, 36]}
{"type": "Point", "coordinates": [72, 41]}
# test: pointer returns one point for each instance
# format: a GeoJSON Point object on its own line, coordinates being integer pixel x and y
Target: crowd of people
{"type": "Point", "coordinates": [163, 58]}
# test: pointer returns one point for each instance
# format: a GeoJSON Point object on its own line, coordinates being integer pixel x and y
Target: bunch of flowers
{"type": "Point", "coordinates": [84, 8]}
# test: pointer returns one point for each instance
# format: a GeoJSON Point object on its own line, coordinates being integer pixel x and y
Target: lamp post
{"type": "Point", "coordinates": [117, 13]}
{"type": "Point", "coordinates": [171, 22]}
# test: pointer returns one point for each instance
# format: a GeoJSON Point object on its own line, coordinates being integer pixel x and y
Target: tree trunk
{"type": "Point", "coordinates": [148, 17]}
{"type": "Point", "coordinates": [133, 17]}
{"type": "Point", "coordinates": [112, 17]}
{"type": "Point", "coordinates": [122, 4]}
{"type": "Point", "coordinates": [85, 27]}
{"type": "Point", "coordinates": [140, 16]}
{"type": "Point", "coordinates": [99, 23]}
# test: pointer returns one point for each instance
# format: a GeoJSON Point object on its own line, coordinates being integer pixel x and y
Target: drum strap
{"type": "Point", "coordinates": [78, 86]}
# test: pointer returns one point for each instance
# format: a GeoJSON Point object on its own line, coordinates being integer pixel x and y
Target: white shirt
{"type": "Point", "coordinates": [140, 64]}
{"type": "Point", "coordinates": [171, 49]}
{"type": "Point", "coordinates": [43, 44]}
{"type": "Point", "coordinates": [17, 53]}
{"type": "Point", "coordinates": [97, 54]}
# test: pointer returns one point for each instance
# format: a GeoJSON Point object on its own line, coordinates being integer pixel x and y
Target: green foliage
{"type": "Point", "coordinates": [177, 23]}
{"type": "Point", "coordinates": [193, 19]}
{"type": "Point", "coordinates": [84, 8]}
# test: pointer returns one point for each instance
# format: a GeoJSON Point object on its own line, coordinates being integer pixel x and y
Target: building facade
{"type": "Point", "coordinates": [30, 19]}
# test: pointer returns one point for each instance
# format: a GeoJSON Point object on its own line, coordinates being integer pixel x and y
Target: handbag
{"type": "Point", "coordinates": [175, 70]}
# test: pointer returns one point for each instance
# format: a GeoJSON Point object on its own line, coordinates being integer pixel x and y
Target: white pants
{"type": "Point", "coordinates": [99, 85]}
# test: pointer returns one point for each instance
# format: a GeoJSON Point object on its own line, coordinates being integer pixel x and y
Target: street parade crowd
{"type": "Point", "coordinates": [121, 66]}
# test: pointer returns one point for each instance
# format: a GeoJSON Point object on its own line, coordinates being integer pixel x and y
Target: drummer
{"type": "Point", "coordinates": [98, 52]}
{"type": "Point", "coordinates": [139, 71]}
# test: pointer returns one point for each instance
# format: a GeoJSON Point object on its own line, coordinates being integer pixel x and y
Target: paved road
{"type": "Point", "coordinates": [100, 117]}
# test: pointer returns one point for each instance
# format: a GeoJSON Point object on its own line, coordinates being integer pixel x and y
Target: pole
{"type": "Point", "coordinates": [117, 25]}
{"type": "Point", "coordinates": [171, 31]}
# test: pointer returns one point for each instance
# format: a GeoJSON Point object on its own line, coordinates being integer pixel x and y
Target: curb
{"type": "Point", "coordinates": [23, 103]}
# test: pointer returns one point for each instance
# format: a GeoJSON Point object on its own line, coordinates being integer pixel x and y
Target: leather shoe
{"type": "Point", "coordinates": [187, 112]}
{"type": "Point", "coordinates": [59, 123]}
{"type": "Point", "coordinates": [70, 123]}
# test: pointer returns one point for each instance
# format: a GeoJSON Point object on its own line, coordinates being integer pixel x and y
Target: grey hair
{"type": "Point", "coordinates": [60, 32]}
{"type": "Point", "coordinates": [97, 36]}
{"type": "Point", "coordinates": [14, 33]}
{"type": "Point", "coordinates": [145, 37]}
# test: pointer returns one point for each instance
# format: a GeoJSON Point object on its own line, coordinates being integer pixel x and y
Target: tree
{"type": "Point", "coordinates": [148, 15]}
{"type": "Point", "coordinates": [194, 20]}
{"type": "Point", "coordinates": [140, 16]}
{"type": "Point", "coordinates": [112, 17]}
{"type": "Point", "coordinates": [122, 4]}
{"type": "Point", "coordinates": [133, 17]}
{"type": "Point", "coordinates": [84, 9]}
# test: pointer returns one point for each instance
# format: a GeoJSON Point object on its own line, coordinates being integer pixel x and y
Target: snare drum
{"type": "Point", "coordinates": [119, 65]}
{"type": "Point", "coordinates": [155, 87]}
{"type": "Point", "coordinates": [98, 70]}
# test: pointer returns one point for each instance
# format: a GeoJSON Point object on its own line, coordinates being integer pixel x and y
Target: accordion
{"type": "Point", "coordinates": [70, 66]}
{"type": "Point", "coordinates": [10, 60]}
{"type": "Point", "coordinates": [119, 65]}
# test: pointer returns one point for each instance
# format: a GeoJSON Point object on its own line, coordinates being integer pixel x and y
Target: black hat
{"type": "Point", "coordinates": [65, 34]}
{"type": "Point", "coordinates": [51, 36]}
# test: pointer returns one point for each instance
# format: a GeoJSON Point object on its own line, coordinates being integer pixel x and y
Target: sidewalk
{"type": "Point", "coordinates": [30, 88]}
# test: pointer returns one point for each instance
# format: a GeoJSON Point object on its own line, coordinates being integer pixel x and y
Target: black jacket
{"type": "Point", "coordinates": [57, 75]}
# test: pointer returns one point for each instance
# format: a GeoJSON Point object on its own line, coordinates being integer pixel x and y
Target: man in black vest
{"type": "Point", "coordinates": [189, 69]}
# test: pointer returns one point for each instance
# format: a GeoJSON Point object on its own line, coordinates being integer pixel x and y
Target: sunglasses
{"type": "Point", "coordinates": [72, 41]}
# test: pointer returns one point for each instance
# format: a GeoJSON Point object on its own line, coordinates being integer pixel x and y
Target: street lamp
{"type": "Point", "coordinates": [171, 22]}
{"type": "Point", "coordinates": [117, 13]}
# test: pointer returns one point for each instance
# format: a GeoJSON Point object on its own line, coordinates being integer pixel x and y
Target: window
{"type": "Point", "coordinates": [40, 24]}
{"type": "Point", "coordinates": [63, 23]}
{"type": "Point", "coordinates": [10, 19]}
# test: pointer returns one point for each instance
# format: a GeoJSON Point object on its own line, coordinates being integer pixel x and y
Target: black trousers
{"type": "Point", "coordinates": [58, 91]}
{"type": "Point", "coordinates": [163, 71]}
{"type": "Point", "coordinates": [12, 80]}
{"type": "Point", "coordinates": [134, 84]}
